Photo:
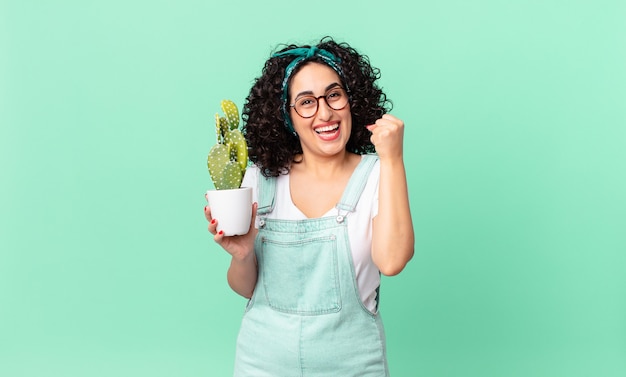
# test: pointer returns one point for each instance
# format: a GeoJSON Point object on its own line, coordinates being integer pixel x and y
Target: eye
{"type": "Point", "coordinates": [307, 102]}
{"type": "Point", "coordinates": [335, 95]}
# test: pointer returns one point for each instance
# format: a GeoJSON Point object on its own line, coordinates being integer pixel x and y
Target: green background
{"type": "Point", "coordinates": [515, 147]}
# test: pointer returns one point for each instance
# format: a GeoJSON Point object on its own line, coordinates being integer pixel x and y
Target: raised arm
{"type": "Point", "coordinates": [392, 239]}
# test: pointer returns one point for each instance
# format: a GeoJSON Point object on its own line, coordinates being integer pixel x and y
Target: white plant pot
{"type": "Point", "coordinates": [232, 209]}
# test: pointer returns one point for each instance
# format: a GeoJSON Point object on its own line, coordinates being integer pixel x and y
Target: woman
{"type": "Point", "coordinates": [331, 216]}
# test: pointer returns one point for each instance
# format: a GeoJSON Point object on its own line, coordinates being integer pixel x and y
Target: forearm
{"type": "Point", "coordinates": [242, 275]}
{"type": "Point", "coordinates": [392, 239]}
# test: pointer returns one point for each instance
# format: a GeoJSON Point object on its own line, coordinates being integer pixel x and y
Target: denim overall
{"type": "Point", "coordinates": [306, 317]}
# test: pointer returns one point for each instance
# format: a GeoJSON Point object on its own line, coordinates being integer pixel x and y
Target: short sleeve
{"type": "Point", "coordinates": [374, 180]}
{"type": "Point", "coordinates": [250, 179]}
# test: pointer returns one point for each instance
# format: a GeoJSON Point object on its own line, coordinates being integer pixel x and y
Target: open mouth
{"type": "Point", "coordinates": [327, 129]}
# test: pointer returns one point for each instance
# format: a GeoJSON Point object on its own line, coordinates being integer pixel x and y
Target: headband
{"type": "Point", "coordinates": [301, 54]}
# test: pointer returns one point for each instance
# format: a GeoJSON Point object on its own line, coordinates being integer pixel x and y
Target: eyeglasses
{"type": "Point", "coordinates": [306, 106]}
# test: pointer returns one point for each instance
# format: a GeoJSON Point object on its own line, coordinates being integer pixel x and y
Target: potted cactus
{"type": "Point", "coordinates": [227, 161]}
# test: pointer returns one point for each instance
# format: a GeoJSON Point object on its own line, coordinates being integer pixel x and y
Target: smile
{"type": "Point", "coordinates": [329, 128]}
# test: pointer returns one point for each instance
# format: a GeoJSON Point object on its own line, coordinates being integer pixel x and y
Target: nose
{"type": "Point", "coordinates": [324, 111]}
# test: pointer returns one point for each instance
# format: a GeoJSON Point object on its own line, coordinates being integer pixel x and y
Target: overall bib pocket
{"type": "Point", "coordinates": [301, 277]}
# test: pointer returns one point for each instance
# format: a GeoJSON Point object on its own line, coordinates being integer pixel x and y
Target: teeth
{"type": "Point", "coordinates": [327, 128]}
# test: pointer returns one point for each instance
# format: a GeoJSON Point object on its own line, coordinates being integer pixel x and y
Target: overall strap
{"type": "Point", "coordinates": [356, 184]}
{"type": "Point", "coordinates": [266, 189]}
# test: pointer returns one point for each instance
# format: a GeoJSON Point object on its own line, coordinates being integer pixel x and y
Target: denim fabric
{"type": "Point", "coordinates": [306, 317]}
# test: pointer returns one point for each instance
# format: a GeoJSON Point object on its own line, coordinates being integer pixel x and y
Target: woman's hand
{"type": "Point", "coordinates": [387, 137]}
{"type": "Point", "coordinates": [240, 247]}
{"type": "Point", "coordinates": [242, 273]}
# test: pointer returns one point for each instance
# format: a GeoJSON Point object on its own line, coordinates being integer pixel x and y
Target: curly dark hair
{"type": "Point", "coordinates": [270, 144]}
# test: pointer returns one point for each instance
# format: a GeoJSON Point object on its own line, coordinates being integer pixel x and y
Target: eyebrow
{"type": "Point", "coordinates": [309, 92]}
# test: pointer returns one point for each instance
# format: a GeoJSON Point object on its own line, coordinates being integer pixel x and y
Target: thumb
{"type": "Point", "coordinates": [371, 127]}
{"type": "Point", "coordinates": [255, 206]}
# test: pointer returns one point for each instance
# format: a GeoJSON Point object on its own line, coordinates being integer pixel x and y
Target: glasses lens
{"type": "Point", "coordinates": [337, 98]}
{"type": "Point", "coordinates": [306, 106]}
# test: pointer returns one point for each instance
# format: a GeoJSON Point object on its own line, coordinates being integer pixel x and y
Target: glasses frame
{"type": "Point", "coordinates": [317, 99]}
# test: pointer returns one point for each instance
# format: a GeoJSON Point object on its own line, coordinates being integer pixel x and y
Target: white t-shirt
{"type": "Point", "coordinates": [359, 226]}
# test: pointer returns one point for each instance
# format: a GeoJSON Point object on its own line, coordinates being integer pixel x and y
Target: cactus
{"type": "Point", "coordinates": [228, 159]}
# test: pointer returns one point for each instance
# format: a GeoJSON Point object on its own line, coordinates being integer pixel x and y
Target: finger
{"type": "Point", "coordinates": [252, 220]}
{"type": "Point", "coordinates": [219, 237]}
{"type": "Point", "coordinates": [384, 123]}
{"type": "Point", "coordinates": [207, 213]}
{"type": "Point", "coordinates": [390, 117]}
{"type": "Point", "coordinates": [213, 226]}
{"type": "Point", "coordinates": [389, 120]}
{"type": "Point", "coordinates": [389, 129]}
{"type": "Point", "coordinates": [212, 222]}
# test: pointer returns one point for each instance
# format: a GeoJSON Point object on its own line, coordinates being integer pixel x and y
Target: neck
{"type": "Point", "coordinates": [324, 167]}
